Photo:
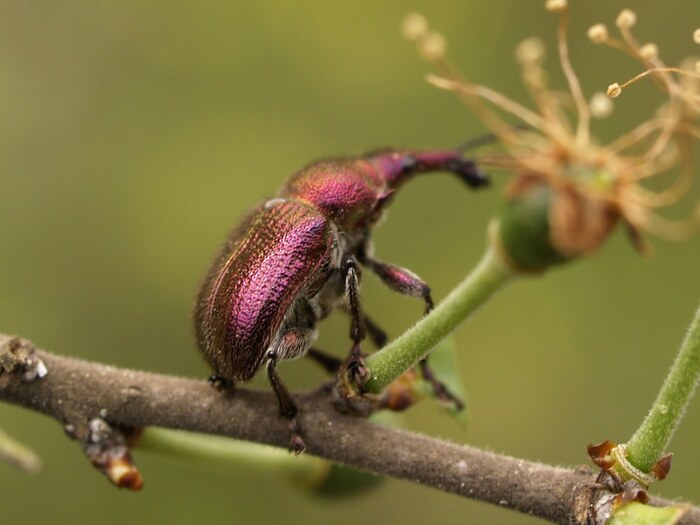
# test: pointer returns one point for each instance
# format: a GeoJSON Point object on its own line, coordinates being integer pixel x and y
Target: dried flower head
{"type": "Point", "coordinates": [414, 26]}
{"type": "Point", "coordinates": [530, 51]}
{"type": "Point", "coordinates": [433, 46]}
{"type": "Point", "coordinates": [598, 33]}
{"type": "Point", "coordinates": [555, 5]}
{"type": "Point", "coordinates": [601, 106]}
{"type": "Point", "coordinates": [649, 51]}
{"type": "Point", "coordinates": [584, 188]}
{"type": "Point", "coordinates": [614, 90]}
{"type": "Point", "coordinates": [626, 19]}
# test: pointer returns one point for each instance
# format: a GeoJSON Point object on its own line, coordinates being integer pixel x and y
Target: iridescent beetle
{"type": "Point", "coordinates": [295, 258]}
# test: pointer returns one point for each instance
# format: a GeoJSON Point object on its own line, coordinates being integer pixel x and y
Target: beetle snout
{"type": "Point", "coordinates": [470, 173]}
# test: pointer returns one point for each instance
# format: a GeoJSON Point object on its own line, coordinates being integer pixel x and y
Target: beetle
{"type": "Point", "coordinates": [296, 257]}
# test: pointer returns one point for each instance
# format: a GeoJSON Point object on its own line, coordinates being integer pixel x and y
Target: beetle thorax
{"type": "Point", "coordinates": [347, 192]}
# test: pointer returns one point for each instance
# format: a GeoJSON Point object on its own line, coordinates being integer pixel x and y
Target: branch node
{"type": "Point", "coordinates": [106, 448]}
{"type": "Point", "coordinates": [18, 357]}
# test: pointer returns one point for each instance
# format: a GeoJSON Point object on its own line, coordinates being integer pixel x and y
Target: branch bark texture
{"type": "Point", "coordinates": [75, 391]}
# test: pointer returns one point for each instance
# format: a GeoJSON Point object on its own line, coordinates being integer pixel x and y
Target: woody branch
{"type": "Point", "coordinates": [75, 391]}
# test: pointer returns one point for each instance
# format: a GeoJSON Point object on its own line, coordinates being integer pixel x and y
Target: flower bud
{"type": "Point", "coordinates": [523, 236]}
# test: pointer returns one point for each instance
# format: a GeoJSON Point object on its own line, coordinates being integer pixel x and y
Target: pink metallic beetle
{"type": "Point", "coordinates": [295, 258]}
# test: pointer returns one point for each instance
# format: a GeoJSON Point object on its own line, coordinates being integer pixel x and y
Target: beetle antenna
{"type": "Point", "coordinates": [488, 138]}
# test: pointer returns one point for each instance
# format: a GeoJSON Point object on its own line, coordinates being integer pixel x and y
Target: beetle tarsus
{"type": "Point", "coordinates": [221, 383]}
{"type": "Point", "coordinates": [296, 443]}
{"type": "Point", "coordinates": [356, 369]}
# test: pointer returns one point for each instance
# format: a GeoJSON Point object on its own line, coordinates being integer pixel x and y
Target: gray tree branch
{"type": "Point", "coordinates": [75, 391]}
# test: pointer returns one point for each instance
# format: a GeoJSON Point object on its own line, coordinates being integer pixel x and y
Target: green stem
{"type": "Point", "coordinates": [649, 442]}
{"type": "Point", "coordinates": [18, 455]}
{"type": "Point", "coordinates": [307, 469]}
{"type": "Point", "coordinates": [403, 353]}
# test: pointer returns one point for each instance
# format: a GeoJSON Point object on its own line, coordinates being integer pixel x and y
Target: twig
{"type": "Point", "coordinates": [76, 391]}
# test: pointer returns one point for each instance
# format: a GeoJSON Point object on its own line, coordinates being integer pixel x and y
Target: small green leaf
{"type": "Point", "coordinates": [443, 362]}
{"type": "Point", "coordinates": [635, 513]}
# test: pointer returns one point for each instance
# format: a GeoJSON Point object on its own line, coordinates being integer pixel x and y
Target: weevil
{"type": "Point", "coordinates": [296, 257]}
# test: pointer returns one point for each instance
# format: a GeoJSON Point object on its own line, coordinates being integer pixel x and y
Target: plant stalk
{"type": "Point", "coordinates": [239, 454]}
{"type": "Point", "coordinates": [413, 345]}
{"type": "Point", "coordinates": [649, 442]}
{"type": "Point", "coordinates": [17, 454]}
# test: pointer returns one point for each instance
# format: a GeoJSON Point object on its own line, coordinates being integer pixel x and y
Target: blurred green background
{"type": "Point", "coordinates": [134, 134]}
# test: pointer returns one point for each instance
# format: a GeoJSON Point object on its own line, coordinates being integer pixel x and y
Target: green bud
{"type": "Point", "coordinates": [523, 235]}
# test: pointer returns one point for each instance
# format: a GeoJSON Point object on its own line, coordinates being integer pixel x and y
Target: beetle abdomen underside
{"type": "Point", "coordinates": [275, 258]}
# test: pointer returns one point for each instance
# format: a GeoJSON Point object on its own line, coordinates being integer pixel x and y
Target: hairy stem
{"type": "Point", "coordinates": [649, 442]}
{"type": "Point", "coordinates": [405, 352]}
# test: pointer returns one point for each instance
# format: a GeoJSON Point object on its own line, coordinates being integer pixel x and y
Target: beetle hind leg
{"type": "Point", "coordinates": [288, 409]}
{"type": "Point", "coordinates": [291, 343]}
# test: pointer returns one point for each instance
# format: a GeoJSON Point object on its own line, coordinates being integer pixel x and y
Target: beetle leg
{"type": "Point", "coordinates": [355, 363]}
{"type": "Point", "coordinates": [220, 383]}
{"type": "Point", "coordinates": [288, 408]}
{"type": "Point", "coordinates": [376, 334]}
{"type": "Point", "coordinates": [441, 391]}
{"type": "Point", "coordinates": [406, 282]}
{"type": "Point", "coordinates": [331, 363]}
{"type": "Point", "coordinates": [401, 280]}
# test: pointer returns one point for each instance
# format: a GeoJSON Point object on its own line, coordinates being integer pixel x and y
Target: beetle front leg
{"type": "Point", "coordinates": [400, 280]}
{"type": "Point", "coordinates": [406, 282]}
{"type": "Point", "coordinates": [288, 409]}
{"type": "Point", "coordinates": [355, 365]}
{"type": "Point", "coordinates": [375, 333]}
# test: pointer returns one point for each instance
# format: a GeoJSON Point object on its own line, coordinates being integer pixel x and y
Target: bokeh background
{"type": "Point", "coordinates": [134, 134]}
